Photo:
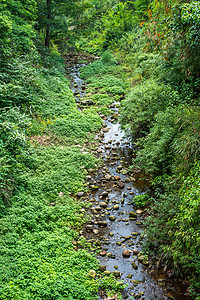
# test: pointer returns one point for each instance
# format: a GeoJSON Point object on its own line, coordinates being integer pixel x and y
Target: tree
{"type": "Point", "coordinates": [55, 17]}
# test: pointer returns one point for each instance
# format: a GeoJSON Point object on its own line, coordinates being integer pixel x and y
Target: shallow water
{"type": "Point", "coordinates": [115, 151]}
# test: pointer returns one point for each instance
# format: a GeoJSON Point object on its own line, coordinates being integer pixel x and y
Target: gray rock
{"type": "Point", "coordinates": [80, 194]}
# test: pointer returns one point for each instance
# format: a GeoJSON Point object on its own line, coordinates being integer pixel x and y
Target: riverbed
{"type": "Point", "coordinates": [115, 222]}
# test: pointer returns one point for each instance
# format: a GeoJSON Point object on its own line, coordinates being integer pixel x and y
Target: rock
{"type": "Point", "coordinates": [80, 194]}
{"type": "Point", "coordinates": [170, 274]}
{"type": "Point", "coordinates": [93, 211]}
{"type": "Point", "coordinates": [108, 177]}
{"type": "Point", "coordinates": [127, 237]}
{"type": "Point", "coordinates": [129, 276]}
{"type": "Point", "coordinates": [111, 234]}
{"type": "Point", "coordinates": [135, 252]}
{"type": "Point", "coordinates": [116, 273]}
{"type": "Point", "coordinates": [117, 177]}
{"type": "Point", "coordinates": [120, 184]}
{"type": "Point", "coordinates": [119, 243]}
{"type": "Point", "coordinates": [104, 194]}
{"type": "Point", "coordinates": [139, 211]}
{"type": "Point", "coordinates": [112, 218]}
{"type": "Point", "coordinates": [92, 274]}
{"type": "Point", "coordinates": [107, 273]}
{"type": "Point", "coordinates": [134, 234]}
{"type": "Point", "coordinates": [119, 168]}
{"type": "Point", "coordinates": [95, 231]}
{"type": "Point", "coordinates": [102, 223]}
{"type": "Point", "coordinates": [132, 215]}
{"type": "Point", "coordinates": [89, 228]}
{"type": "Point", "coordinates": [103, 253]}
{"type": "Point", "coordinates": [134, 266]}
{"type": "Point", "coordinates": [98, 208]}
{"type": "Point", "coordinates": [110, 255]}
{"type": "Point", "coordinates": [103, 204]}
{"type": "Point", "coordinates": [126, 253]}
{"type": "Point", "coordinates": [102, 268]}
{"type": "Point", "coordinates": [116, 207]}
{"type": "Point", "coordinates": [94, 187]}
{"type": "Point", "coordinates": [116, 267]}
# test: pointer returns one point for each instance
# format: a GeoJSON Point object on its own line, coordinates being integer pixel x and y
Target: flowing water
{"type": "Point", "coordinates": [116, 189]}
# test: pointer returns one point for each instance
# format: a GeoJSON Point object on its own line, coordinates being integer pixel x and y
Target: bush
{"type": "Point", "coordinates": [141, 200]}
{"type": "Point", "coordinates": [143, 103]}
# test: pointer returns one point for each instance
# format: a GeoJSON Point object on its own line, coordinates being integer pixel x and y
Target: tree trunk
{"type": "Point", "coordinates": [47, 38]}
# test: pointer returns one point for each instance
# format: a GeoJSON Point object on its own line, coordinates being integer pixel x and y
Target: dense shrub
{"type": "Point", "coordinates": [143, 103]}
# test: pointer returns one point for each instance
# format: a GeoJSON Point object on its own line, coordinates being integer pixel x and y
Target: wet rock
{"type": "Point", "coordinates": [108, 177]}
{"type": "Point", "coordinates": [116, 274]}
{"type": "Point", "coordinates": [103, 253]}
{"type": "Point", "coordinates": [98, 208]}
{"type": "Point", "coordinates": [80, 194]}
{"type": "Point", "coordinates": [117, 177]}
{"type": "Point", "coordinates": [110, 255]}
{"type": "Point", "coordinates": [134, 266]}
{"type": "Point", "coordinates": [135, 252]}
{"type": "Point", "coordinates": [129, 276]}
{"type": "Point", "coordinates": [116, 267]}
{"type": "Point", "coordinates": [134, 234]}
{"type": "Point", "coordinates": [89, 228]}
{"type": "Point", "coordinates": [132, 215]}
{"type": "Point", "coordinates": [102, 268]}
{"type": "Point", "coordinates": [102, 223]}
{"type": "Point", "coordinates": [116, 207]}
{"type": "Point", "coordinates": [104, 194]}
{"type": "Point", "coordinates": [93, 211]}
{"type": "Point", "coordinates": [112, 218]}
{"type": "Point", "coordinates": [136, 282]}
{"type": "Point", "coordinates": [107, 273]}
{"type": "Point", "coordinates": [127, 179]}
{"type": "Point", "coordinates": [119, 168]}
{"type": "Point", "coordinates": [120, 184]}
{"type": "Point", "coordinates": [118, 243]}
{"type": "Point", "coordinates": [94, 187]}
{"type": "Point", "coordinates": [111, 234]}
{"type": "Point", "coordinates": [126, 253]}
{"type": "Point", "coordinates": [141, 258]}
{"type": "Point", "coordinates": [103, 204]}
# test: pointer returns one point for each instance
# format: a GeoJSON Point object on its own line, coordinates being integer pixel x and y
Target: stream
{"type": "Point", "coordinates": [115, 224]}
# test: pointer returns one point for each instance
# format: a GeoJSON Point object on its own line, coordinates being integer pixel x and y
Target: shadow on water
{"type": "Point", "coordinates": [115, 223]}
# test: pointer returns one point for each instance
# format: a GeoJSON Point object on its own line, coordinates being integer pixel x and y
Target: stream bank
{"type": "Point", "coordinates": [115, 225]}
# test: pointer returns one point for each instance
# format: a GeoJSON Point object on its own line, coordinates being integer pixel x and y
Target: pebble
{"type": "Point", "coordinates": [126, 253]}
{"type": "Point", "coordinates": [112, 218]}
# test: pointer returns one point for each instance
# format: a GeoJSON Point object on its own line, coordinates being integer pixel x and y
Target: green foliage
{"type": "Point", "coordinates": [107, 57]}
{"type": "Point", "coordinates": [163, 207]}
{"type": "Point", "coordinates": [143, 103]}
{"type": "Point", "coordinates": [116, 22]}
{"type": "Point", "coordinates": [77, 125]}
{"type": "Point", "coordinates": [185, 227]}
{"type": "Point", "coordinates": [141, 200]}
